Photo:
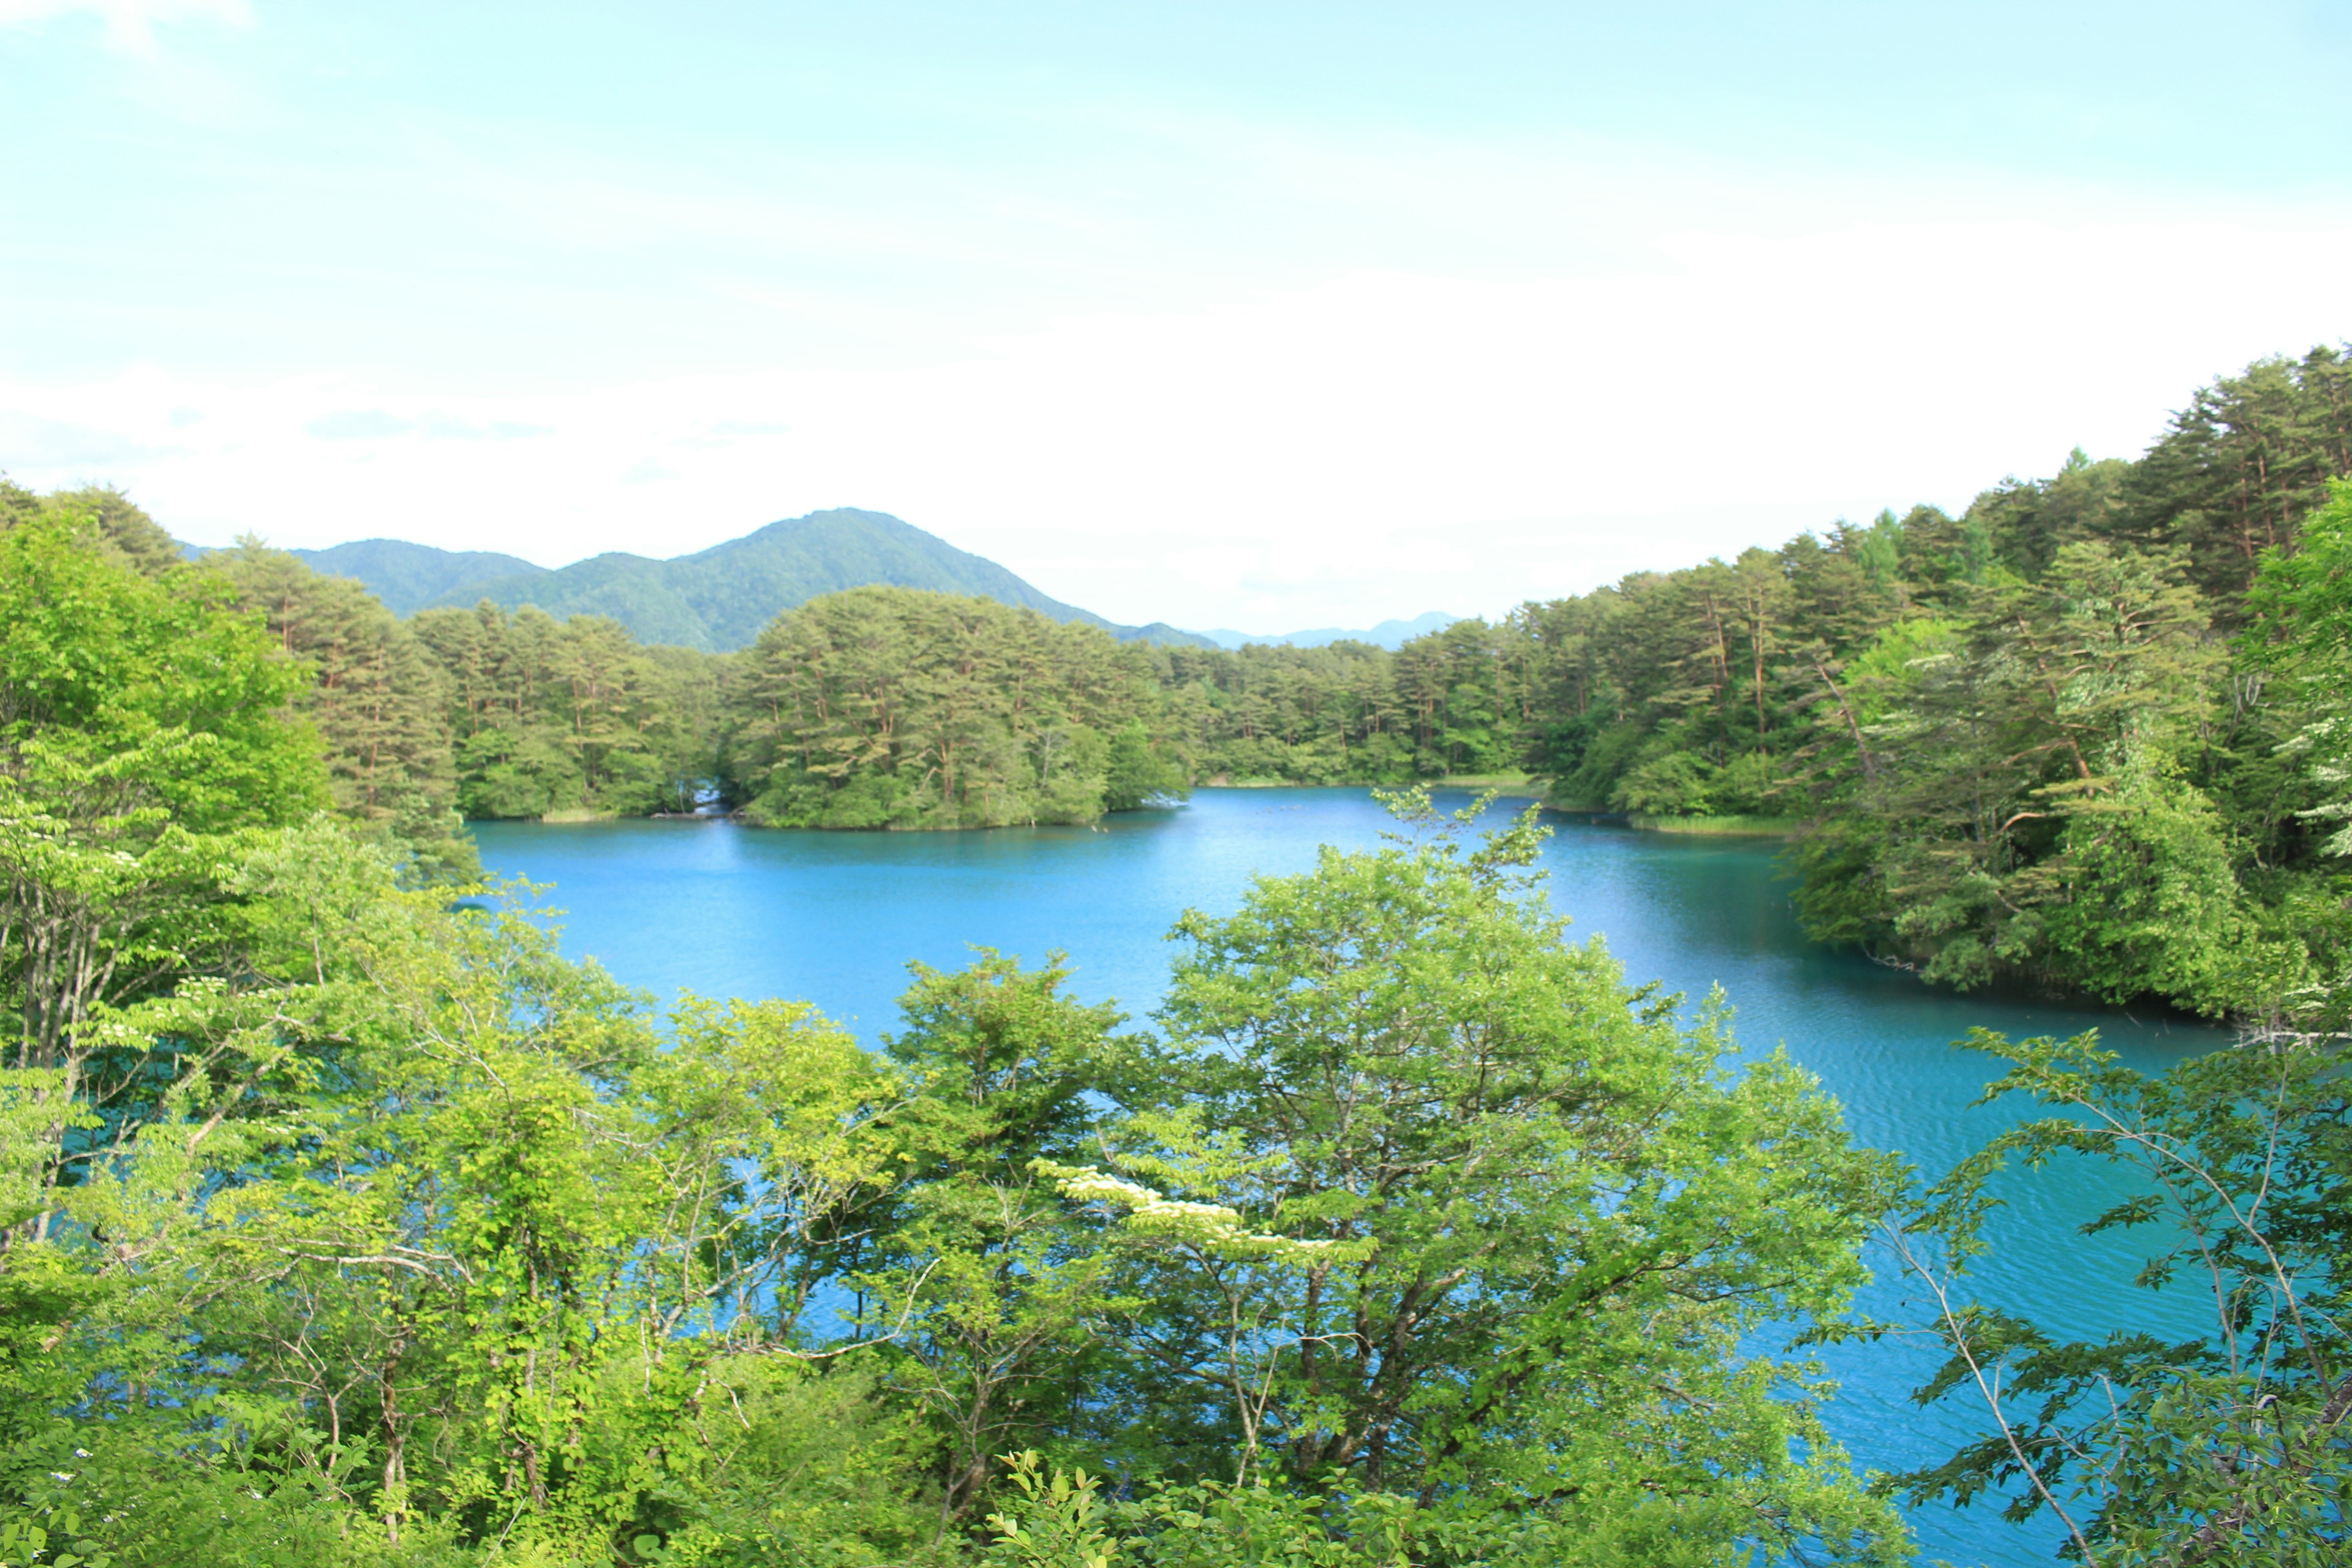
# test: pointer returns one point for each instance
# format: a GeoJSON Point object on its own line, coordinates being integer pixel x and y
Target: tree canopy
{"type": "Point", "coordinates": [2088, 735]}
{"type": "Point", "coordinates": [893, 707]}
{"type": "Point", "coordinates": [342, 1221]}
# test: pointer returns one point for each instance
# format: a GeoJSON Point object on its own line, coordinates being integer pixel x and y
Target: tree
{"type": "Point", "coordinates": [120, 527]}
{"type": "Point", "coordinates": [2230, 1448]}
{"type": "Point", "coordinates": [2017, 799]}
{"type": "Point", "coordinates": [376, 699]}
{"type": "Point", "coordinates": [2242, 466]}
{"type": "Point", "coordinates": [1488, 1202]}
{"type": "Point", "coordinates": [573, 716]}
{"type": "Point", "coordinates": [986, 1285]}
{"type": "Point", "coordinates": [141, 732]}
{"type": "Point", "coordinates": [424, 1247]}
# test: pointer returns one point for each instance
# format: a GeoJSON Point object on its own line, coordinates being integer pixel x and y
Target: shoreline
{"type": "Point", "coordinates": [1718, 826]}
{"type": "Point", "coordinates": [1505, 786]}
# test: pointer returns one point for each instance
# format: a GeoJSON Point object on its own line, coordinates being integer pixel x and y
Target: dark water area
{"type": "Point", "coordinates": [833, 918]}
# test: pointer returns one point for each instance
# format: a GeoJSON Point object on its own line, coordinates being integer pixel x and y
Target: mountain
{"type": "Point", "coordinates": [1390, 635]}
{"type": "Point", "coordinates": [407, 577]}
{"type": "Point", "coordinates": [719, 598]}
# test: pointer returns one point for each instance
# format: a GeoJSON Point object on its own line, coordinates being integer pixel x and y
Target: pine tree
{"type": "Point", "coordinates": [377, 699]}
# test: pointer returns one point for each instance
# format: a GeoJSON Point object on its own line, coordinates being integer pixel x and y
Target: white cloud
{"type": "Point", "coordinates": [1379, 444]}
{"type": "Point", "coordinates": [130, 24]}
{"type": "Point", "coordinates": [358, 424]}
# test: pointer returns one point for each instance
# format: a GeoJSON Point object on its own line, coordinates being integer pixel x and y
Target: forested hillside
{"type": "Point", "coordinates": [2078, 734]}
{"type": "Point", "coordinates": [409, 577]}
{"type": "Point", "coordinates": [344, 1223]}
{"type": "Point", "coordinates": [2047, 738]}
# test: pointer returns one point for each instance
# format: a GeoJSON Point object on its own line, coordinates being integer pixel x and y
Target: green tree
{"type": "Point", "coordinates": [120, 527]}
{"type": "Point", "coordinates": [2242, 466]}
{"type": "Point", "coordinates": [2016, 800]}
{"type": "Point", "coordinates": [2229, 1447]}
{"type": "Point", "coordinates": [141, 732]}
{"type": "Point", "coordinates": [551, 717]}
{"type": "Point", "coordinates": [376, 699]}
{"type": "Point", "coordinates": [1543, 1199]}
{"type": "Point", "coordinates": [981, 1280]}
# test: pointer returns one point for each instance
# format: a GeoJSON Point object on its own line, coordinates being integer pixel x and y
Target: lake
{"type": "Point", "coordinates": [833, 918]}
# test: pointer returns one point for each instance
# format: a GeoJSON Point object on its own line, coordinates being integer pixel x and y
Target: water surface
{"type": "Point", "coordinates": [834, 917]}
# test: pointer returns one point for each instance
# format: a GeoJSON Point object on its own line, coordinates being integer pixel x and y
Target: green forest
{"type": "Point", "coordinates": [343, 1221]}
{"type": "Point", "coordinates": [2084, 736]}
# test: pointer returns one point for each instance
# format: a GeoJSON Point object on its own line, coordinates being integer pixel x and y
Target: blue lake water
{"type": "Point", "coordinates": [834, 917]}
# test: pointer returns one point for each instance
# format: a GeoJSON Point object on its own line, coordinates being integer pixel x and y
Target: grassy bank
{"type": "Point", "coordinates": [1746, 827]}
{"type": "Point", "coordinates": [1509, 784]}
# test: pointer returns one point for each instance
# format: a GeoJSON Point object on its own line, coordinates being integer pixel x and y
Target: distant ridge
{"type": "Point", "coordinates": [407, 577]}
{"type": "Point", "coordinates": [1390, 635]}
{"type": "Point", "coordinates": [717, 599]}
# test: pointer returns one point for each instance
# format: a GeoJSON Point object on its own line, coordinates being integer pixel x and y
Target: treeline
{"type": "Point", "coordinates": [875, 708]}
{"type": "Point", "coordinates": [344, 1225]}
{"type": "Point", "coordinates": [1452, 703]}
{"type": "Point", "coordinates": [893, 707]}
{"type": "Point", "coordinates": [549, 718]}
{"type": "Point", "coordinates": [2067, 736]}
{"type": "Point", "coordinates": [342, 1222]}
{"type": "Point", "coordinates": [2062, 737]}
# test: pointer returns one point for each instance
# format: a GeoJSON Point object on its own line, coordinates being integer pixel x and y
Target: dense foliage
{"type": "Point", "coordinates": [2021, 742]}
{"type": "Point", "coordinates": [1454, 703]}
{"type": "Point", "coordinates": [2081, 735]}
{"type": "Point", "coordinates": [894, 708]}
{"type": "Point", "coordinates": [376, 699]}
{"type": "Point", "coordinates": [550, 718]}
{"type": "Point", "coordinates": [2229, 1447]}
{"type": "Point", "coordinates": [342, 1222]}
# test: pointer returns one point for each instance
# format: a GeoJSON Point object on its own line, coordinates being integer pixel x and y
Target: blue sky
{"type": "Point", "coordinates": [1253, 315]}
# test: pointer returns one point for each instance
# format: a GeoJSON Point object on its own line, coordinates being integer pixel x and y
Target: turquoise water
{"type": "Point", "coordinates": [835, 916]}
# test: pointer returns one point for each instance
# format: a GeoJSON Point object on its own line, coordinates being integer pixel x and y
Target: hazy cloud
{"type": "Point", "coordinates": [496, 430]}
{"type": "Point", "coordinates": [375, 424]}
{"type": "Point", "coordinates": [358, 424]}
{"type": "Point", "coordinates": [130, 24]}
{"type": "Point", "coordinates": [60, 452]}
{"type": "Point", "coordinates": [1327, 455]}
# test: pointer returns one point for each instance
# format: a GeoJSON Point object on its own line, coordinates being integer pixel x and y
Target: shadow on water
{"type": "Point", "coordinates": [834, 917]}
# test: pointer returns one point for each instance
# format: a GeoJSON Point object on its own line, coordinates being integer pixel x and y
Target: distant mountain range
{"type": "Point", "coordinates": [1390, 635]}
{"type": "Point", "coordinates": [407, 577]}
{"type": "Point", "coordinates": [717, 599]}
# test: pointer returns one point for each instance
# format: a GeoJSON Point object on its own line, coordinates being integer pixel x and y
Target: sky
{"type": "Point", "coordinates": [1262, 315]}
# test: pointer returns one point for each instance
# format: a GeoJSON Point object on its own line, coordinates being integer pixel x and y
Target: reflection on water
{"type": "Point", "coordinates": [835, 916]}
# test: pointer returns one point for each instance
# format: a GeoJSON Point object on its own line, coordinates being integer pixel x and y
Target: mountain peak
{"type": "Point", "coordinates": [715, 599]}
